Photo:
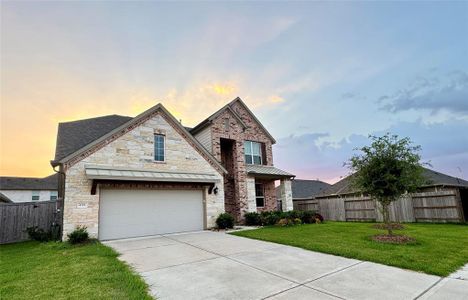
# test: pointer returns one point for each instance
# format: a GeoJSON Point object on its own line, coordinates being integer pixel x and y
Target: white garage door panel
{"type": "Point", "coordinates": [133, 213]}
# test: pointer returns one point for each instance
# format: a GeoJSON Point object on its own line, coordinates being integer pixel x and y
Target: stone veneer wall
{"type": "Point", "coordinates": [286, 195]}
{"type": "Point", "coordinates": [134, 150]}
{"type": "Point", "coordinates": [269, 194]}
{"type": "Point", "coordinates": [236, 132]}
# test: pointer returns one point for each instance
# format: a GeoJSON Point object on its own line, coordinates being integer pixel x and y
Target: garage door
{"type": "Point", "coordinates": [134, 213]}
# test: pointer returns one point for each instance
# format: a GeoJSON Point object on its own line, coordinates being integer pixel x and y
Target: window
{"type": "Point", "coordinates": [253, 153]}
{"type": "Point", "coordinates": [53, 195]}
{"type": "Point", "coordinates": [35, 196]}
{"type": "Point", "coordinates": [159, 147]}
{"type": "Point", "coordinates": [259, 195]}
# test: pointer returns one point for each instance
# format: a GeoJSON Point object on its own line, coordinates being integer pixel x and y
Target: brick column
{"type": "Point", "coordinates": [286, 195]}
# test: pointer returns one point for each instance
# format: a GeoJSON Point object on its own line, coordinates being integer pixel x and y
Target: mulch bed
{"type": "Point", "coordinates": [393, 239]}
{"type": "Point", "coordinates": [393, 226]}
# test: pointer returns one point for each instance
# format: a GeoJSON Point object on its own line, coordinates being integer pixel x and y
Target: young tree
{"type": "Point", "coordinates": [386, 170]}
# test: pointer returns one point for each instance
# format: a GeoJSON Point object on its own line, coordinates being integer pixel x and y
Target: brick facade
{"type": "Point", "coordinates": [269, 193]}
{"type": "Point", "coordinates": [134, 149]}
{"type": "Point", "coordinates": [227, 127]}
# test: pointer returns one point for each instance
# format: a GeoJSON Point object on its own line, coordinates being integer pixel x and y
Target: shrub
{"type": "Point", "coordinates": [38, 234]}
{"type": "Point", "coordinates": [318, 218]}
{"type": "Point", "coordinates": [225, 220]}
{"type": "Point", "coordinates": [79, 235]}
{"type": "Point", "coordinates": [283, 222]}
{"type": "Point", "coordinates": [289, 222]}
{"type": "Point", "coordinates": [293, 214]}
{"type": "Point", "coordinates": [253, 219]}
{"type": "Point", "coordinates": [271, 217]}
{"type": "Point", "coordinates": [308, 217]}
{"type": "Point", "coordinates": [293, 217]}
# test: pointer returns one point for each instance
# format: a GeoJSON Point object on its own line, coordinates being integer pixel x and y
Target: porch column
{"type": "Point", "coordinates": [286, 195]}
{"type": "Point", "coordinates": [251, 203]}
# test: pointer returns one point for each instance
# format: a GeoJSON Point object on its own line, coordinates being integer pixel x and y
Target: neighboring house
{"type": "Point", "coordinates": [127, 177]}
{"type": "Point", "coordinates": [28, 189]}
{"type": "Point", "coordinates": [303, 193]}
{"type": "Point", "coordinates": [442, 199]}
{"type": "Point", "coordinates": [4, 199]}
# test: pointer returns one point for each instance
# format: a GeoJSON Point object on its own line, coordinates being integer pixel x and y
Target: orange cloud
{"type": "Point", "coordinates": [29, 117]}
{"type": "Point", "coordinates": [224, 90]}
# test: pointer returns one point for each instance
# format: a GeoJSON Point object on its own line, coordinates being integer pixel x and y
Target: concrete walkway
{"type": "Point", "coordinates": [211, 265]}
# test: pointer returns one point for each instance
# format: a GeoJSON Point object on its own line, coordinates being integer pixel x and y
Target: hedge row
{"type": "Point", "coordinates": [292, 217]}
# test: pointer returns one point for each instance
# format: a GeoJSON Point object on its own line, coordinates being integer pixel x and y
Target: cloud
{"type": "Point", "coordinates": [434, 94]}
{"type": "Point", "coordinates": [316, 155]}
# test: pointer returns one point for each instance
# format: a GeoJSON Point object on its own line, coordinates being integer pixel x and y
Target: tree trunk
{"type": "Point", "coordinates": [386, 217]}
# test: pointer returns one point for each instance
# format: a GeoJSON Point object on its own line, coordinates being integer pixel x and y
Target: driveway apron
{"type": "Point", "coordinates": [215, 265]}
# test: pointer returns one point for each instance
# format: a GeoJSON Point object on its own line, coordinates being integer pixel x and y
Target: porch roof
{"type": "Point", "coordinates": [114, 173]}
{"type": "Point", "coordinates": [267, 171]}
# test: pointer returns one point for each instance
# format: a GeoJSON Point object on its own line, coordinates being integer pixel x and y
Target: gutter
{"type": "Point", "coordinates": [61, 189]}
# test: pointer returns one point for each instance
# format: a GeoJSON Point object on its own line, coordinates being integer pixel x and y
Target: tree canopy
{"type": "Point", "coordinates": [387, 169]}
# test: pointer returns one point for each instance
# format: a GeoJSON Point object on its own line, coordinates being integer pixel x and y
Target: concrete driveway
{"type": "Point", "coordinates": [212, 265]}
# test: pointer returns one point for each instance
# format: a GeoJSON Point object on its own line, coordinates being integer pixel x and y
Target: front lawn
{"type": "Point", "coordinates": [440, 249]}
{"type": "Point", "coordinates": [32, 270]}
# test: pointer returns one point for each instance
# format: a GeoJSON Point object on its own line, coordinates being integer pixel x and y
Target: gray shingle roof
{"type": "Point", "coordinates": [72, 136]}
{"type": "Point", "coordinates": [267, 170]}
{"type": "Point", "coordinates": [433, 178]}
{"type": "Point", "coordinates": [29, 183]}
{"type": "Point", "coordinates": [302, 188]}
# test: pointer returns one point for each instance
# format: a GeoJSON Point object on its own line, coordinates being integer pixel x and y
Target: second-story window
{"type": "Point", "coordinates": [253, 153]}
{"type": "Point", "coordinates": [159, 147]}
{"type": "Point", "coordinates": [53, 195]}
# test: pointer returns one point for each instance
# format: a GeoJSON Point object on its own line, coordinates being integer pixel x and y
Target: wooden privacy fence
{"type": "Point", "coordinates": [360, 209]}
{"type": "Point", "coordinates": [306, 204]}
{"type": "Point", "coordinates": [438, 206]}
{"type": "Point", "coordinates": [16, 217]}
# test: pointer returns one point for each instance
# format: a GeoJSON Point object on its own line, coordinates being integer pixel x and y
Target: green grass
{"type": "Point", "coordinates": [440, 249]}
{"type": "Point", "coordinates": [54, 270]}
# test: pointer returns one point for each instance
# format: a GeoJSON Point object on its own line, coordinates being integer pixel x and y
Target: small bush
{"type": "Point", "coordinates": [294, 214]}
{"type": "Point", "coordinates": [283, 222]}
{"type": "Point", "coordinates": [318, 218]}
{"type": "Point", "coordinates": [308, 217]}
{"type": "Point", "coordinates": [297, 221]}
{"type": "Point", "coordinates": [269, 218]}
{"type": "Point", "coordinates": [253, 219]}
{"type": "Point", "coordinates": [79, 235]}
{"type": "Point", "coordinates": [225, 220]}
{"type": "Point", "coordinates": [289, 222]}
{"type": "Point", "coordinates": [38, 234]}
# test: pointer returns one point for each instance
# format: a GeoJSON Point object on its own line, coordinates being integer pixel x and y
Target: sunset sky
{"type": "Point", "coordinates": [320, 76]}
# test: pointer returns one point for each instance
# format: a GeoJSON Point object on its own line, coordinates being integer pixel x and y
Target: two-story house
{"type": "Point", "coordinates": [126, 177]}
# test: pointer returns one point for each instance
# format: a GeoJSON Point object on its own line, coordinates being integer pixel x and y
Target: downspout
{"type": "Point", "coordinates": [61, 202]}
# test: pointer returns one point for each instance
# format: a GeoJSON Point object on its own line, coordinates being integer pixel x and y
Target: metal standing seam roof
{"type": "Point", "coordinates": [110, 173]}
{"type": "Point", "coordinates": [267, 170]}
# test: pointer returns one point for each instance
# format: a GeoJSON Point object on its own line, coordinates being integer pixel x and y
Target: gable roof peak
{"type": "Point", "coordinates": [129, 122]}
{"type": "Point", "coordinates": [229, 106]}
